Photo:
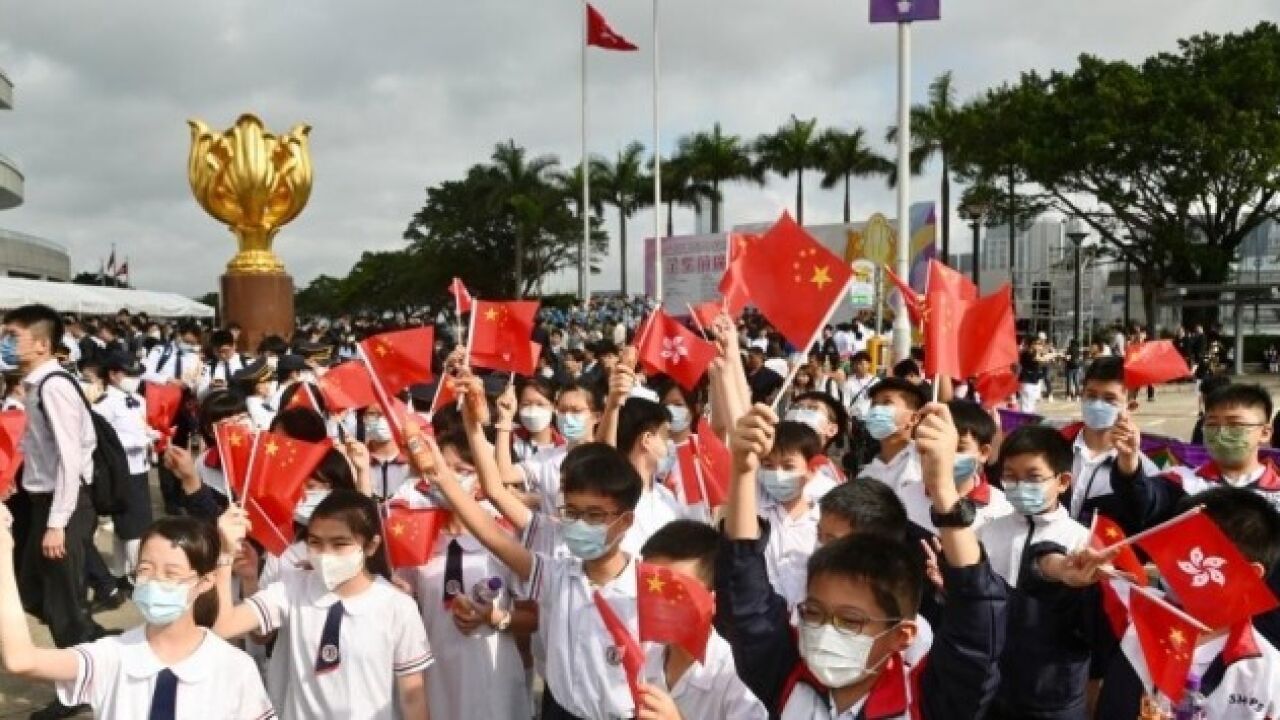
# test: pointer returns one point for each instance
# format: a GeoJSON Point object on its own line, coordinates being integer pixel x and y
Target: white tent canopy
{"type": "Point", "coordinates": [95, 300]}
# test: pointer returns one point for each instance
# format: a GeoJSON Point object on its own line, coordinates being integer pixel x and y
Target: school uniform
{"type": "Point", "coordinates": [170, 362]}
{"type": "Point", "coordinates": [261, 412]}
{"type": "Point", "coordinates": [524, 447]}
{"type": "Point", "coordinates": [900, 470]}
{"type": "Point", "coordinates": [582, 669]}
{"type": "Point", "coordinates": [388, 475]}
{"type": "Point", "coordinates": [708, 690]}
{"type": "Point", "coordinates": [350, 672]}
{"type": "Point", "coordinates": [954, 681]}
{"type": "Point", "coordinates": [453, 690]}
{"type": "Point", "coordinates": [218, 369]}
{"type": "Point", "coordinates": [120, 677]}
{"type": "Point", "coordinates": [127, 413]}
{"type": "Point", "coordinates": [1045, 665]}
{"type": "Point", "coordinates": [988, 501]}
{"type": "Point", "coordinates": [1091, 479]}
{"type": "Point", "coordinates": [791, 541]}
{"type": "Point", "coordinates": [657, 507]}
{"type": "Point", "coordinates": [1239, 677]}
{"type": "Point", "coordinates": [542, 477]}
{"type": "Point", "coordinates": [857, 392]}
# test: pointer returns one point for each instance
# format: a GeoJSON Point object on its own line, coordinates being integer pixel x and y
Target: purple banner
{"type": "Point", "coordinates": [1011, 420]}
{"type": "Point", "coordinates": [886, 11]}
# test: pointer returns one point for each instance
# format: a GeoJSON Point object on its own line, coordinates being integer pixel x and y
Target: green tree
{"type": "Point", "coordinates": [521, 185]}
{"type": "Point", "coordinates": [933, 135]}
{"type": "Point", "coordinates": [322, 296]}
{"type": "Point", "coordinates": [715, 158]}
{"type": "Point", "coordinates": [844, 156]}
{"type": "Point", "coordinates": [624, 185]}
{"type": "Point", "coordinates": [679, 188]}
{"type": "Point", "coordinates": [792, 149]}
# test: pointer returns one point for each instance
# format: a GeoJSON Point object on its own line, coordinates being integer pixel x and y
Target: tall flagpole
{"type": "Point", "coordinates": [901, 324]}
{"type": "Point", "coordinates": [657, 170]}
{"type": "Point", "coordinates": [583, 264]}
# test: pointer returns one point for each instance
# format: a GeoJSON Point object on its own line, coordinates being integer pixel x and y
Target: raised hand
{"type": "Point", "coordinates": [233, 526]}
{"type": "Point", "coordinates": [507, 405]}
{"type": "Point", "coordinates": [752, 438]}
{"type": "Point", "coordinates": [1128, 443]}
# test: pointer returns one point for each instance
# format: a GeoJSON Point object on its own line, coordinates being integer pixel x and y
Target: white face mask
{"type": "Point", "coordinates": [379, 430]}
{"type": "Point", "coordinates": [680, 418]}
{"type": "Point", "coordinates": [535, 419]}
{"type": "Point", "coordinates": [336, 569]}
{"type": "Point", "coordinates": [130, 384]}
{"type": "Point", "coordinates": [310, 499]}
{"type": "Point", "coordinates": [813, 418]}
{"type": "Point", "coordinates": [836, 659]}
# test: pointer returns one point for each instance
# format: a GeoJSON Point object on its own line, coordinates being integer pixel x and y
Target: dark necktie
{"type": "Point", "coordinates": [452, 572]}
{"type": "Point", "coordinates": [130, 401]}
{"type": "Point", "coordinates": [164, 699]}
{"type": "Point", "coordinates": [330, 652]}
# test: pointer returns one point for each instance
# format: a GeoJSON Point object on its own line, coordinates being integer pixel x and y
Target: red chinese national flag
{"type": "Point", "coordinates": [665, 346]}
{"type": "Point", "coordinates": [631, 656]}
{"type": "Point", "coordinates": [347, 387]}
{"type": "Point", "coordinates": [793, 279]}
{"type": "Point", "coordinates": [945, 313]}
{"type": "Point", "coordinates": [13, 423]}
{"type": "Point", "coordinates": [233, 441]}
{"type": "Point", "coordinates": [601, 35]}
{"type": "Point", "coordinates": [987, 339]}
{"type": "Point", "coordinates": [163, 401]}
{"type": "Point", "coordinates": [674, 609]}
{"type": "Point", "coordinates": [1168, 642]}
{"type": "Point", "coordinates": [996, 386]}
{"type": "Point", "coordinates": [304, 396]}
{"type": "Point", "coordinates": [706, 313]}
{"type": "Point", "coordinates": [910, 298]}
{"type": "Point", "coordinates": [411, 534]}
{"type": "Point", "coordinates": [400, 417]}
{"type": "Point", "coordinates": [1215, 583]}
{"type": "Point", "coordinates": [401, 358]}
{"type": "Point", "coordinates": [270, 525]}
{"type": "Point", "coordinates": [461, 296]}
{"type": "Point", "coordinates": [733, 289]}
{"type": "Point", "coordinates": [500, 333]}
{"type": "Point", "coordinates": [944, 279]}
{"type": "Point", "coordinates": [1106, 533]}
{"type": "Point", "coordinates": [1152, 363]}
{"type": "Point", "coordinates": [704, 468]}
{"type": "Point", "coordinates": [278, 468]}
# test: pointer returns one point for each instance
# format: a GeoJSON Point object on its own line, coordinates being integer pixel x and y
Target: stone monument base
{"type": "Point", "coordinates": [261, 304]}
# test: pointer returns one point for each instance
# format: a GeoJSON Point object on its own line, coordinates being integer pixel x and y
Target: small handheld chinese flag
{"type": "Point", "coordinates": [945, 279]}
{"type": "Point", "coordinates": [1152, 363]}
{"type": "Point", "coordinates": [500, 336]}
{"type": "Point", "coordinates": [703, 469]}
{"type": "Point", "coordinates": [163, 402]}
{"type": "Point", "coordinates": [665, 346]}
{"type": "Point", "coordinates": [1106, 533]}
{"type": "Point", "coordinates": [600, 35]}
{"type": "Point", "coordinates": [988, 339]}
{"type": "Point", "coordinates": [673, 608]}
{"type": "Point", "coordinates": [461, 296]}
{"type": "Point", "coordinates": [13, 423]}
{"type": "Point", "coordinates": [913, 301]}
{"type": "Point", "coordinates": [279, 467]}
{"type": "Point", "coordinates": [233, 442]}
{"type": "Point", "coordinates": [1214, 582]}
{"type": "Point", "coordinates": [347, 387]}
{"type": "Point", "coordinates": [399, 359]}
{"type": "Point", "coordinates": [996, 386]}
{"type": "Point", "coordinates": [632, 657]}
{"type": "Point", "coordinates": [1168, 642]}
{"type": "Point", "coordinates": [411, 534]}
{"type": "Point", "coordinates": [944, 314]}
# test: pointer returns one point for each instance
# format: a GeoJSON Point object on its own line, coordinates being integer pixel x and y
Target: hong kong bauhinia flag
{"type": "Point", "coordinates": [601, 35]}
{"type": "Point", "coordinates": [665, 346]}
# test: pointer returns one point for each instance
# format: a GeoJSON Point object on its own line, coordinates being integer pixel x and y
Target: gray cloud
{"type": "Point", "coordinates": [403, 94]}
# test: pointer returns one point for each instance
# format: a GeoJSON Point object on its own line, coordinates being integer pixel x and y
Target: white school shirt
{"type": "Point", "coordinates": [786, 555]}
{"type": "Point", "coordinates": [454, 688]}
{"type": "Point", "coordinates": [213, 477]}
{"type": "Point", "coordinates": [117, 677]}
{"type": "Point", "coordinates": [1091, 474]}
{"type": "Point", "coordinates": [1005, 539]}
{"type": "Point", "coordinates": [261, 413]}
{"type": "Point", "coordinates": [130, 424]}
{"type": "Point", "coordinates": [989, 503]}
{"type": "Point", "coordinates": [388, 475]}
{"type": "Point", "coordinates": [657, 507]}
{"type": "Point", "coordinates": [542, 477]}
{"type": "Point", "coordinates": [381, 638]}
{"type": "Point", "coordinates": [902, 469]}
{"type": "Point", "coordinates": [582, 669]}
{"type": "Point", "coordinates": [857, 393]}
{"type": "Point", "coordinates": [710, 690]}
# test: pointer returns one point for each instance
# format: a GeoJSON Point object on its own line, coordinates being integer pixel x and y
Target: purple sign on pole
{"type": "Point", "coordinates": [893, 11]}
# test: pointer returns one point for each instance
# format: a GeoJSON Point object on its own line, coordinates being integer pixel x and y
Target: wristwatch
{"type": "Point", "coordinates": [960, 515]}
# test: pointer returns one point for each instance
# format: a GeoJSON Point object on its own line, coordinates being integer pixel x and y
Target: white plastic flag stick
{"type": "Point", "coordinates": [380, 391]}
{"type": "Point", "coordinates": [248, 473]}
{"type": "Point", "coordinates": [1154, 529]}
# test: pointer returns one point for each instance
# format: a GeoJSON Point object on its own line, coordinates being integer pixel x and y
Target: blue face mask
{"type": "Point", "coordinates": [9, 351]}
{"type": "Point", "coordinates": [780, 486]}
{"type": "Point", "coordinates": [160, 603]}
{"type": "Point", "coordinates": [1099, 414]}
{"type": "Point", "coordinates": [881, 421]}
{"type": "Point", "coordinates": [585, 541]}
{"type": "Point", "coordinates": [668, 461]}
{"type": "Point", "coordinates": [965, 467]}
{"type": "Point", "coordinates": [1028, 498]}
{"type": "Point", "coordinates": [572, 425]}
{"type": "Point", "coordinates": [680, 418]}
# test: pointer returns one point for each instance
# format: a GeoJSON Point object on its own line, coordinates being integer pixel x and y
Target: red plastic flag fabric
{"type": "Point", "coordinates": [665, 346]}
{"type": "Point", "coordinates": [910, 298]}
{"type": "Point", "coordinates": [944, 279]}
{"type": "Point", "coordinates": [1214, 582]}
{"type": "Point", "coordinates": [704, 468]}
{"type": "Point", "coordinates": [401, 358]}
{"type": "Point", "coordinates": [278, 468]}
{"type": "Point", "coordinates": [706, 313]}
{"type": "Point", "coordinates": [1106, 532]}
{"type": "Point", "coordinates": [673, 608]}
{"type": "Point", "coordinates": [13, 423]}
{"type": "Point", "coordinates": [500, 335]}
{"type": "Point", "coordinates": [163, 402]}
{"type": "Point", "coordinates": [601, 35]}
{"type": "Point", "coordinates": [624, 644]}
{"type": "Point", "coordinates": [988, 340]}
{"type": "Point", "coordinates": [411, 534]}
{"type": "Point", "coordinates": [793, 280]}
{"type": "Point", "coordinates": [270, 525]}
{"type": "Point", "coordinates": [1152, 363]}
{"type": "Point", "coordinates": [304, 396]}
{"type": "Point", "coordinates": [1168, 642]}
{"type": "Point", "coordinates": [234, 444]}
{"type": "Point", "coordinates": [996, 386]}
{"type": "Point", "coordinates": [445, 395]}
{"type": "Point", "coordinates": [942, 335]}
{"type": "Point", "coordinates": [461, 296]}
{"type": "Point", "coordinates": [400, 417]}
{"type": "Point", "coordinates": [347, 387]}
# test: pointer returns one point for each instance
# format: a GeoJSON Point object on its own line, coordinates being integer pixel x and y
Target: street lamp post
{"type": "Point", "coordinates": [974, 211]}
{"type": "Point", "coordinates": [1077, 231]}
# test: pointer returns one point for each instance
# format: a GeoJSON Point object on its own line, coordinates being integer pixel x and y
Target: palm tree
{"type": "Point", "coordinates": [793, 149]}
{"type": "Point", "coordinates": [716, 158]}
{"type": "Point", "coordinates": [845, 155]}
{"type": "Point", "coordinates": [932, 134]}
{"type": "Point", "coordinates": [623, 184]}
{"type": "Point", "coordinates": [520, 187]}
{"type": "Point", "coordinates": [678, 189]}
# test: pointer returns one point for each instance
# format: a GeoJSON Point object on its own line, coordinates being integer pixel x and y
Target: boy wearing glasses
{"type": "Point", "coordinates": [858, 616]}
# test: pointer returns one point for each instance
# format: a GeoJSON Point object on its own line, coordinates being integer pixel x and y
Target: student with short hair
{"type": "Point", "coordinates": [674, 679]}
{"type": "Point", "coordinates": [577, 412]}
{"type": "Point", "coordinates": [537, 434]}
{"type": "Point", "coordinates": [895, 408]}
{"type": "Point", "coordinates": [644, 436]}
{"type": "Point", "coordinates": [830, 421]}
{"type": "Point", "coordinates": [170, 667]}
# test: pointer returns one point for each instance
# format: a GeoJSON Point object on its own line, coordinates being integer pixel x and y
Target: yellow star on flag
{"type": "Point", "coordinates": [821, 276]}
{"type": "Point", "coordinates": [655, 584]}
{"type": "Point", "coordinates": [1176, 638]}
{"type": "Point", "coordinates": [272, 448]}
{"type": "Point", "coordinates": [235, 439]}
{"type": "Point", "coordinates": [380, 349]}
{"type": "Point", "coordinates": [1112, 533]}
{"type": "Point", "coordinates": [491, 315]}
{"type": "Point", "coordinates": [397, 528]}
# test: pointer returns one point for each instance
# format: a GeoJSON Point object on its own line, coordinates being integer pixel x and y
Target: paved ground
{"type": "Point", "coordinates": [1173, 413]}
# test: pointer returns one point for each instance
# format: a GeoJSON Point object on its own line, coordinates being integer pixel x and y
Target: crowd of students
{"type": "Point", "coordinates": [945, 573]}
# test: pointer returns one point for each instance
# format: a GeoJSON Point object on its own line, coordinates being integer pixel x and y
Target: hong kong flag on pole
{"type": "Point", "coordinates": [602, 36]}
{"type": "Point", "coordinates": [1215, 583]}
{"type": "Point", "coordinates": [674, 609]}
{"type": "Point", "coordinates": [667, 347]}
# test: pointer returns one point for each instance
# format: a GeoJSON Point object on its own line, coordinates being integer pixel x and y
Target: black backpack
{"type": "Point", "coordinates": [110, 488]}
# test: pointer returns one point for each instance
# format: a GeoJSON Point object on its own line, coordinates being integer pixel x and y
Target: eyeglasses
{"type": "Point", "coordinates": [1004, 480]}
{"type": "Point", "coordinates": [850, 624]}
{"type": "Point", "coordinates": [146, 574]}
{"type": "Point", "coordinates": [592, 517]}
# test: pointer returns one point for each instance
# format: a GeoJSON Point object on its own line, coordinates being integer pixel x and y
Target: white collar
{"type": "Point", "coordinates": [321, 597]}
{"type": "Point", "coordinates": [140, 662]}
{"type": "Point", "coordinates": [1087, 455]}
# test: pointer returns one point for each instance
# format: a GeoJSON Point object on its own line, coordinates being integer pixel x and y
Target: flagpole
{"type": "Point", "coordinates": [817, 333]}
{"type": "Point", "coordinates": [901, 325]}
{"type": "Point", "coordinates": [1134, 587]}
{"type": "Point", "coordinates": [248, 473]}
{"type": "Point", "coordinates": [380, 391]}
{"type": "Point", "coordinates": [657, 169]}
{"type": "Point", "coordinates": [585, 243]}
{"type": "Point", "coordinates": [1154, 529]}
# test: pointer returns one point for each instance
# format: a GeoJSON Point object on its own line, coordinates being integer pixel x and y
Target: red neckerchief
{"type": "Point", "coordinates": [980, 493]}
{"type": "Point", "coordinates": [1072, 430]}
{"type": "Point", "coordinates": [887, 698]}
{"type": "Point", "coordinates": [1269, 481]}
{"type": "Point", "coordinates": [821, 461]}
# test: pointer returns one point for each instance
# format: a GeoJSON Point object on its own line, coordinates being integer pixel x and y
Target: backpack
{"type": "Point", "coordinates": [110, 487]}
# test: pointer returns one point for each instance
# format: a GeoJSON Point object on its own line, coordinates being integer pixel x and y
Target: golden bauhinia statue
{"type": "Point", "coordinates": [253, 181]}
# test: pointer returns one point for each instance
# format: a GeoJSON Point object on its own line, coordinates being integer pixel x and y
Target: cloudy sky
{"type": "Point", "coordinates": [405, 93]}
